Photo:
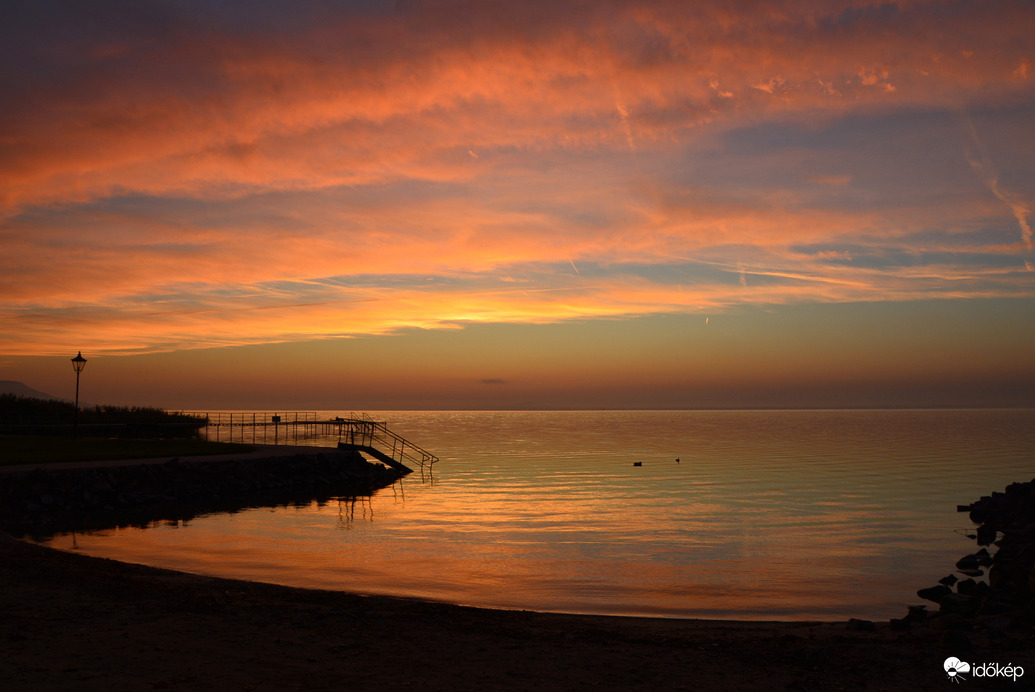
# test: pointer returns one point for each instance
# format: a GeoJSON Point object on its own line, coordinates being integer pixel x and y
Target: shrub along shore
{"type": "Point", "coordinates": [32, 416]}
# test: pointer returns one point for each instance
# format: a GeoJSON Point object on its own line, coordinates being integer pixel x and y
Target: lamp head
{"type": "Point", "coordinates": [79, 362]}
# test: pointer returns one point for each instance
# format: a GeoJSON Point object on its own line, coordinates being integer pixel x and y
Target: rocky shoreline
{"type": "Point", "coordinates": [1000, 609]}
{"type": "Point", "coordinates": [46, 500]}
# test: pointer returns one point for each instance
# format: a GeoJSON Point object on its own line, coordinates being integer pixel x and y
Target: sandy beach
{"type": "Point", "coordinates": [74, 622]}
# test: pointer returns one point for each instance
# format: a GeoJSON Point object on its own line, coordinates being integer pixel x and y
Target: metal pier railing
{"type": "Point", "coordinates": [354, 430]}
{"type": "Point", "coordinates": [364, 433]}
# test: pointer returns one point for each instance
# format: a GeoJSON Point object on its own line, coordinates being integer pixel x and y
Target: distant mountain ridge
{"type": "Point", "coordinates": [22, 389]}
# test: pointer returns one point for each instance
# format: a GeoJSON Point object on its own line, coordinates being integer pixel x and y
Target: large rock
{"type": "Point", "coordinates": [934, 593]}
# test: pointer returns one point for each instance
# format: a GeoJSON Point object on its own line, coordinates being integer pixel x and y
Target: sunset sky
{"type": "Point", "coordinates": [487, 204]}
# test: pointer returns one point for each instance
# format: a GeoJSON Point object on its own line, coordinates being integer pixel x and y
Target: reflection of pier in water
{"type": "Point", "coordinates": [356, 431]}
{"type": "Point", "coordinates": [347, 505]}
{"type": "Point", "coordinates": [347, 511]}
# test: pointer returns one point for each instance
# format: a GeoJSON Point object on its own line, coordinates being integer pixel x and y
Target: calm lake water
{"type": "Point", "coordinates": [795, 515]}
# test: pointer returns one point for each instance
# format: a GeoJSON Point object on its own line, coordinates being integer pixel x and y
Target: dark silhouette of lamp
{"type": "Point", "coordinates": [78, 363]}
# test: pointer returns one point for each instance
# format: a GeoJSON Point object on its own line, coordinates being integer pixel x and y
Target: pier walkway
{"type": "Point", "coordinates": [354, 431]}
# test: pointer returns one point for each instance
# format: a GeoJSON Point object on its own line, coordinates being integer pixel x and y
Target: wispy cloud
{"type": "Point", "coordinates": [984, 167]}
{"type": "Point", "coordinates": [174, 178]}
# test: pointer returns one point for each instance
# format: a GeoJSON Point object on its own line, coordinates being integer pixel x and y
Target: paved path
{"type": "Point", "coordinates": [259, 452]}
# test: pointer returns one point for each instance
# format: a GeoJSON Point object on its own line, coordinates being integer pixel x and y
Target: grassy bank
{"type": "Point", "coordinates": [43, 449]}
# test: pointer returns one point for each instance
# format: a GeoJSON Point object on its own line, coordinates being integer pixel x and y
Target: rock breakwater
{"type": "Point", "coordinates": [45, 500]}
{"type": "Point", "coordinates": [992, 591]}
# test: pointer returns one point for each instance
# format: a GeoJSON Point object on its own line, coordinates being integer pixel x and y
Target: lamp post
{"type": "Point", "coordinates": [78, 363]}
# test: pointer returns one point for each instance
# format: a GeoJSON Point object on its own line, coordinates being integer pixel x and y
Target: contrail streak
{"type": "Point", "coordinates": [984, 168]}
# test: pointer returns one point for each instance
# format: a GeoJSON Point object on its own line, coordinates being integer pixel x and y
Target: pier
{"type": "Point", "coordinates": [353, 431]}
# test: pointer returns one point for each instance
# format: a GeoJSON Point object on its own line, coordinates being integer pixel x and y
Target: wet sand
{"type": "Point", "coordinates": [74, 622]}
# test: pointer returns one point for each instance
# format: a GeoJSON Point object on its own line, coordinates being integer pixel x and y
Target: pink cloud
{"type": "Point", "coordinates": [462, 139]}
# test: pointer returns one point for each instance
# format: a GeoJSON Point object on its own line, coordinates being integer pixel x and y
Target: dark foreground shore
{"type": "Point", "coordinates": [73, 622]}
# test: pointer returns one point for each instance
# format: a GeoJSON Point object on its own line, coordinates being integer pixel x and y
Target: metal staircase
{"type": "Point", "coordinates": [364, 434]}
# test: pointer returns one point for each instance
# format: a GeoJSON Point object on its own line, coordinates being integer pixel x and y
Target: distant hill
{"type": "Point", "coordinates": [22, 389]}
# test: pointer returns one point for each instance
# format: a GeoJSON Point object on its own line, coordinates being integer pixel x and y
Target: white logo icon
{"type": "Point", "coordinates": [955, 668]}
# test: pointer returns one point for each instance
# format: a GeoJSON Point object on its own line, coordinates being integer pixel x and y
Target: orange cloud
{"type": "Point", "coordinates": [210, 183]}
{"type": "Point", "coordinates": [361, 100]}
